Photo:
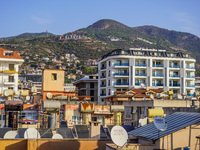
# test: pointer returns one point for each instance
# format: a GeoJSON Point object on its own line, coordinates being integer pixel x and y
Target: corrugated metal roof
{"type": "Point", "coordinates": [175, 122]}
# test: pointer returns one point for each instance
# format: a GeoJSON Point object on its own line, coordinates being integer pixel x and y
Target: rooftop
{"type": "Point", "coordinates": [175, 122]}
{"type": "Point", "coordinates": [9, 54]}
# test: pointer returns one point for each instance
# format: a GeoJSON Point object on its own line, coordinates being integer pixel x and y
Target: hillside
{"type": "Point", "coordinates": [101, 37]}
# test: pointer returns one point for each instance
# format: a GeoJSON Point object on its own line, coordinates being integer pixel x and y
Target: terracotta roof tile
{"type": "Point", "coordinates": [15, 54]}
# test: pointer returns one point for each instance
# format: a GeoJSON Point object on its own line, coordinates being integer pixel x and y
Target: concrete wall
{"type": "Point", "coordinates": [49, 144]}
{"type": "Point", "coordinates": [53, 85]}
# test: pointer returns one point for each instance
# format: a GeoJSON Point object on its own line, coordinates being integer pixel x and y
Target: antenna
{"type": "Point", "coordinates": [49, 95]}
{"type": "Point", "coordinates": [119, 136]}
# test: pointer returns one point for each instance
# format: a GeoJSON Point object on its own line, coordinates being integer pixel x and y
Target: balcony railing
{"type": "Point", "coordinates": [122, 83]}
{"type": "Point", "coordinates": [174, 66]}
{"type": "Point", "coordinates": [189, 67]}
{"type": "Point", "coordinates": [174, 85]}
{"type": "Point", "coordinates": [174, 75]}
{"type": "Point", "coordinates": [157, 65]}
{"type": "Point", "coordinates": [140, 74]}
{"type": "Point", "coordinates": [103, 85]}
{"type": "Point", "coordinates": [157, 84]}
{"type": "Point", "coordinates": [103, 94]}
{"type": "Point", "coordinates": [190, 94]}
{"type": "Point", "coordinates": [121, 64]}
{"type": "Point", "coordinates": [103, 68]}
{"type": "Point", "coordinates": [141, 65]}
{"type": "Point", "coordinates": [157, 75]}
{"type": "Point", "coordinates": [121, 74]}
{"type": "Point", "coordinates": [190, 85]}
{"type": "Point", "coordinates": [188, 76]}
{"type": "Point", "coordinates": [103, 77]}
{"type": "Point", "coordinates": [138, 84]}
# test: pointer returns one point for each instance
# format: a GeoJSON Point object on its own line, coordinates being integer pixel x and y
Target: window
{"type": "Point", "coordinates": [168, 55]}
{"type": "Point", "coordinates": [92, 85]}
{"type": "Point", "coordinates": [11, 67]}
{"type": "Point", "coordinates": [54, 76]}
{"type": "Point", "coordinates": [76, 120]}
{"type": "Point", "coordinates": [91, 92]}
{"type": "Point", "coordinates": [8, 53]}
{"type": "Point", "coordinates": [109, 63]}
{"type": "Point", "coordinates": [11, 79]}
{"type": "Point", "coordinates": [10, 88]}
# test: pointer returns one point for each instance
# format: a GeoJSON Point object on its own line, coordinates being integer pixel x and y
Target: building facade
{"type": "Point", "coordinates": [121, 70]}
{"type": "Point", "coordinates": [87, 86]}
{"type": "Point", "coordinates": [9, 67]}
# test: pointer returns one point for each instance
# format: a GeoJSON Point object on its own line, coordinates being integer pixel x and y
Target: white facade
{"type": "Point", "coordinates": [9, 67]}
{"type": "Point", "coordinates": [126, 69]}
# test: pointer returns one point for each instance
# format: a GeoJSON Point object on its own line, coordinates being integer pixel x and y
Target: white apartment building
{"type": "Point", "coordinates": [9, 67]}
{"type": "Point", "coordinates": [135, 68]}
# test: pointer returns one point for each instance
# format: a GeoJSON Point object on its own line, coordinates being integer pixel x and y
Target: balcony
{"type": "Point", "coordinates": [189, 67]}
{"type": "Point", "coordinates": [139, 84]}
{"type": "Point", "coordinates": [157, 65]}
{"type": "Point", "coordinates": [190, 94]}
{"type": "Point", "coordinates": [140, 74]}
{"type": "Point", "coordinates": [103, 85]}
{"type": "Point", "coordinates": [174, 75]}
{"type": "Point", "coordinates": [157, 84]}
{"type": "Point", "coordinates": [103, 94]}
{"type": "Point", "coordinates": [174, 85]}
{"type": "Point", "coordinates": [141, 65]}
{"type": "Point", "coordinates": [11, 71]}
{"type": "Point", "coordinates": [121, 74]}
{"type": "Point", "coordinates": [174, 66]}
{"type": "Point", "coordinates": [188, 76]}
{"type": "Point", "coordinates": [103, 77]}
{"type": "Point", "coordinates": [121, 64]}
{"type": "Point", "coordinates": [157, 75]}
{"type": "Point", "coordinates": [122, 83]}
{"type": "Point", "coordinates": [103, 68]}
{"type": "Point", "coordinates": [9, 82]}
{"type": "Point", "coordinates": [190, 85]}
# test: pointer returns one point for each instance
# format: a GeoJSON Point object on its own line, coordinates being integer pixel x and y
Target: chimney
{"type": "Point", "coordinates": [94, 130]}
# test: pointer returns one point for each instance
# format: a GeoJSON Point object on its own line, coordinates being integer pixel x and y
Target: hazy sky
{"type": "Point", "coordinates": [62, 16]}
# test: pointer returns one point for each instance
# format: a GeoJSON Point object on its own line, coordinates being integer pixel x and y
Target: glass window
{"type": "Point", "coordinates": [54, 76]}
{"type": "Point", "coordinates": [11, 67]}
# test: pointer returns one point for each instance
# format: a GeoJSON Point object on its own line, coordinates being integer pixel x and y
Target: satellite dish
{"type": "Point", "coordinates": [57, 136]}
{"type": "Point", "coordinates": [119, 136]}
{"type": "Point", "coordinates": [142, 85]}
{"type": "Point", "coordinates": [31, 133]}
{"type": "Point", "coordinates": [11, 135]}
{"type": "Point", "coordinates": [160, 123]}
{"type": "Point", "coordinates": [49, 95]}
{"type": "Point", "coordinates": [158, 95]}
{"type": "Point", "coordinates": [17, 93]}
{"type": "Point", "coordinates": [133, 98]}
{"type": "Point", "coordinates": [6, 93]}
{"type": "Point", "coordinates": [28, 98]}
{"type": "Point", "coordinates": [152, 97]}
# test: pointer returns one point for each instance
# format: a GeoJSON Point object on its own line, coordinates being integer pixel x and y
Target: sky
{"type": "Point", "coordinates": [62, 16]}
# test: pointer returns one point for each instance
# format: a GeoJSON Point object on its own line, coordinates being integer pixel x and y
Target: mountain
{"type": "Point", "coordinates": [100, 38]}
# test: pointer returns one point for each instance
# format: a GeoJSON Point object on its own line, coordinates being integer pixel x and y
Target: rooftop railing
{"type": "Point", "coordinates": [174, 66]}
{"type": "Point", "coordinates": [157, 65]}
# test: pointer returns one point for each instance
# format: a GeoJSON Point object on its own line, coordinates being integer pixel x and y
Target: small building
{"type": "Point", "coordinates": [88, 86]}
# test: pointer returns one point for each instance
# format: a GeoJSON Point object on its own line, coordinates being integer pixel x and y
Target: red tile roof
{"type": "Point", "coordinates": [15, 54]}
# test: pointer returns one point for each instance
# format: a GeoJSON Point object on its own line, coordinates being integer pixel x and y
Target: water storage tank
{"type": "Point", "coordinates": [155, 112]}
{"type": "Point", "coordinates": [117, 108]}
{"type": "Point", "coordinates": [52, 120]}
{"type": "Point", "coordinates": [87, 107]}
{"type": "Point", "coordinates": [53, 106]}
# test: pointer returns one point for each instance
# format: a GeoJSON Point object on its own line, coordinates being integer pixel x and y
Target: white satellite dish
{"type": "Point", "coordinates": [49, 95]}
{"type": "Point", "coordinates": [142, 85]}
{"type": "Point", "coordinates": [28, 98]}
{"type": "Point", "coordinates": [160, 123]}
{"type": "Point", "coordinates": [158, 95]}
{"type": "Point", "coordinates": [17, 93]}
{"type": "Point", "coordinates": [152, 97]}
{"type": "Point", "coordinates": [133, 98]}
{"type": "Point", "coordinates": [11, 135]}
{"type": "Point", "coordinates": [57, 136]}
{"type": "Point", "coordinates": [6, 93]}
{"type": "Point", "coordinates": [31, 133]}
{"type": "Point", "coordinates": [119, 136]}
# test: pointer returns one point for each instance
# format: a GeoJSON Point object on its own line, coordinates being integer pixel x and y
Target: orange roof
{"type": "Point", "coordinates": [15, 54]}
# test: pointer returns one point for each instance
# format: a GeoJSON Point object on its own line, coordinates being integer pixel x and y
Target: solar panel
{"type": "Point", "coordinates": [82, 131]}
{"type": "Point", "coordinates": [45, 133]}
{"type": "Point", "coordinates": [21, 131]}
{"type": "Point", "coordinates": [128, 128]}
{"type": "Point", "coordinates": [3, 131]}
{"type": "Point", "coordinates": [103, 133]}
{"type": "Point", "coordinates": [65, 132]}
{"type": "Point", "coordinates": [175, 122]}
